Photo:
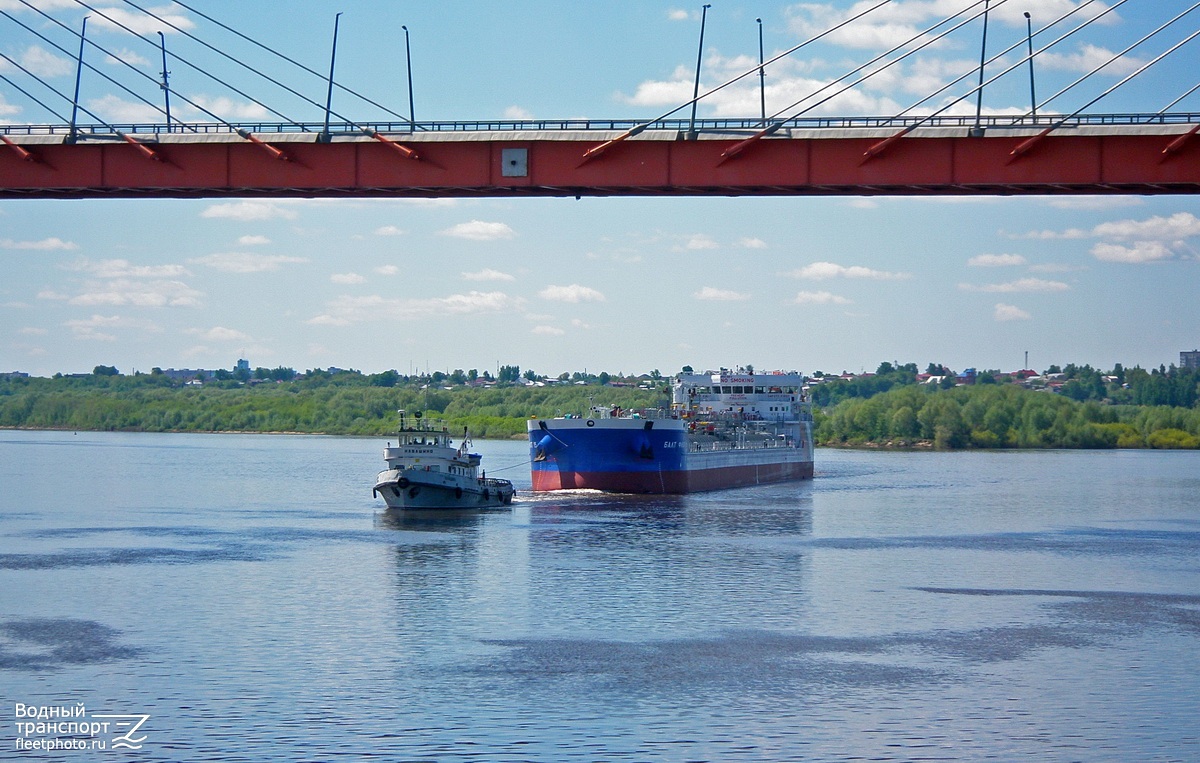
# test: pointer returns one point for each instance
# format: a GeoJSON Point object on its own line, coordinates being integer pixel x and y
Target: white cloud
{"type": "Point", "coordinates": [97, 327]}
{"type": "Point", "coordinates": [124, 291]}
{"type": "Point", "coordinates": [1088, 58]}
{"type": "Point", "coordinates": [750, 242]}
{"type": "Point", "coordinates": [902, 20]}
{"type": "Point", "coordinates": [572, 293]}
{"type": "Point", "coordinates": [1178, 226]}
{"type": "Point", "coordinates": [346, 311]}
{"type": "Point", "coordinates": [1055, 267]}
{"type": "Point", "coordinates": [488, 274]}
{"type": "Point", "coordinates": [45, 245]}
{"type": "Point", "coordinates": [1021, 285]}
{"type": "Point", "coordinates": [253, 240]}
{"type": "Point", "coordinates": [819, 298]}
{"type": "Point", "coordinates": [820, 271]}
{"type": "Point", "coordinates": [249, 211]}
{"type": "Point", "coordinates": [387, 270]}
{"type": "Point", "coordinates": [1005, 312]}
{"type": "Point", "coordinates": [547, 331]}
{"type": "Point", "coordinates": [229, 108]}
{"type": "Point", "coordinates": [115, 109]}
{"type": "Point", "coordinates": [677, 14]}
{"type": "Point", "coordinates": [660, 93]}
{"type": "Point", "coordinates": [1139, 252]}
{"type": "Point", "coordinates": [516, 112]}
{"type": "Point", "coordinates": [8, 109]}
{"type": "Point", "coordinates": [478, 230]}
{"type": "Point", "coordinates": [720, 295]}
{"type": "Point", "coordinates": [698, 242]}
{"type": "Point", "coordinates": [995, 260]}
{"type": "Point", "coordinates": [220, 334]}
{"type": "Point", "coordinates": [1050, 235]}
{"type": "Point", "coordinates": [120, 268]}
{"type": "Point", "coordinates": [44, 63]}
{"type": "Point", "coordinates": [128, 56]}
{"type": "Point", "coordinates": [389, 230]}
{"type": "Point", "coordinates": [113, 19]}
{"type": "Point", "coordinates": [1094, 202]}
{"type": "Point", "coordinates": [347, 278]}
{"type": "Point", "coordinates": [32, 331]}
{"type": "Point", "coordinates": [244, 262]}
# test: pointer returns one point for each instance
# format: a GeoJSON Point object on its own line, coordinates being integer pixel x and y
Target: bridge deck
{"type": "Point", "coordinates": [852, 159]}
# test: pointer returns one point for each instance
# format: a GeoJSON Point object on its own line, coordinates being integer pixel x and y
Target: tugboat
{"type": "Point", "coordinates": [426, 471]}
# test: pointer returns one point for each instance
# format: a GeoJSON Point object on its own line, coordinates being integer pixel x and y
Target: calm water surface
{"type": "Point", "coordinates": [250, 596]}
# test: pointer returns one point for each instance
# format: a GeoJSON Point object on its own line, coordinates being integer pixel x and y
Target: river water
{"type": "Point", "coordinates": [250, 598]}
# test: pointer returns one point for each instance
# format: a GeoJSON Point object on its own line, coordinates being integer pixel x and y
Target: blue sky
{"type": "Point", "coordinates": [625, 285]}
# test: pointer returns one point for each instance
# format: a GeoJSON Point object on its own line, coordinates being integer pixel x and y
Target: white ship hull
{"type": "Point", "coordinates": [417, 489]}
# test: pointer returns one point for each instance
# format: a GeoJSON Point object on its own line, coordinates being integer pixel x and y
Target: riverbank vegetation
{"type": "Point", "coordinates": [995, 416]}
{"type": "Point", "coordinates": [349, 406]}
{"type": "Point", "coordinates": [1071, 407]}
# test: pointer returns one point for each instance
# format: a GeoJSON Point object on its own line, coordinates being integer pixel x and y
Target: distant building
{"type": "Point", "coordinates": [15, 375]}
{"type": "Point", "coordinates": [242, 365]}
{"type": "Point", "coordinates": [1189, 359]}
{"type": "Point", "coordinates": [188, 374]}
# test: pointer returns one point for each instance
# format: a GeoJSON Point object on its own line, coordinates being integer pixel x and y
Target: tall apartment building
{"type": "Point", "coordinates": [1189, 359]}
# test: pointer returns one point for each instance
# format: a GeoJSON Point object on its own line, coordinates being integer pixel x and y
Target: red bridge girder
{"type": "Point", "coordinates": [1095, 160]}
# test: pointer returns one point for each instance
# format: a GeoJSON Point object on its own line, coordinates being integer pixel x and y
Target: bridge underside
{"type": "Point", "coordinates": [1151, 160]}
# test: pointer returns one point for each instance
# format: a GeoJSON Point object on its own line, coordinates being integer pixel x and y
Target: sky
{"type": "Point", "coordinates": [624, 285]}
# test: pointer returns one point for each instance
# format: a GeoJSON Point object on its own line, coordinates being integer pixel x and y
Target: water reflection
{"type": "Point", "coordinates": [433, 520]}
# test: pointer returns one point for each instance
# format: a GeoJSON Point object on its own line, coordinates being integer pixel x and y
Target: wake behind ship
{"type": "Point", "coordinates": [721, 430]}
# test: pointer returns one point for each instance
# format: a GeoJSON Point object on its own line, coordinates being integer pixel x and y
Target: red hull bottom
{"type": "Point", "coordinates": [694, 481]}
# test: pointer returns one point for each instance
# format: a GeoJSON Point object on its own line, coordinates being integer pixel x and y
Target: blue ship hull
{"type": "Point", "coordinates": [628, 455]}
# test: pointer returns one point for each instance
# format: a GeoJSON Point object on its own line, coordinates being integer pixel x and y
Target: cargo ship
{"type": "Point", "coordinates": [720, 430]}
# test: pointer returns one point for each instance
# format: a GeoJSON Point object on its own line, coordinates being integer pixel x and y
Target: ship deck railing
{"type": "Point", "coordinates": [652, 414]}
{"type": "Point", "coordinates": [719, 445]}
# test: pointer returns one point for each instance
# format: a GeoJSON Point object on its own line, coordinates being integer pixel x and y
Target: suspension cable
{"type": "Point", "coordinates": [222, 53]}
{"type": "Point", "coordinates": [880, 57]}
{"type": "Point", "coordinates": [641, 127]}
{"type": "Point", "coordinates": [137, 71]}
{"type": "Point", "coordinates": [1140, 69]}
{"type": "Point", "coordinates": [70, 54]}
{"type": "Point", "coordinates": [1166, 108]}
{"type": "Point", "coordinates": [889, 64]}
{"type": "Point", "coordinates": [407, 152]}
{"type": "Point", "coordinates": [139, 146]}
{"type": "Point", "coordinates": [1021, 62]}
{"type": "Point", "coordinates": [289, 60]}
{"type": "Point", "coordinates": [31, 96]}
{"type": "Point", "coordinates": [177, 57]}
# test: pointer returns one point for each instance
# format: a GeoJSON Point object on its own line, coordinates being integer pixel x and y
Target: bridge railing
{"type": "Point", "coordinates": [607, 125]}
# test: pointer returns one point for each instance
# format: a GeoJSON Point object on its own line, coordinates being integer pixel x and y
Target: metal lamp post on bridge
{"type": "Point", "coordinates": [1032, 92]}
{"type": "Point", "coordinates": [978, 131]}
{"type": "Point", "coordinates": [165, 85]}
{"type": "Point", "coordinates": [699, 59]}
{"type": "Point", "coordinates": [762, 74]}
{"type": "Point", "coordinates": [412, 116]}
{"type": "Point", "coordinates": [325, 137]}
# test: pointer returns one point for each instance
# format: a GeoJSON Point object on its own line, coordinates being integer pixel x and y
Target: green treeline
{"type": "Point", "coordinates": [1003, 416]}
{"type": "Point", "coordinates": [1072, 407]}
{"type": "Point", "coordinates": [145, 403]}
